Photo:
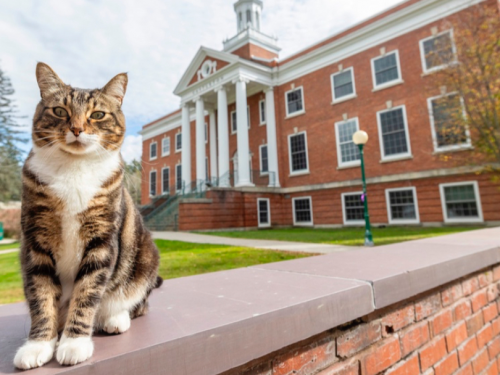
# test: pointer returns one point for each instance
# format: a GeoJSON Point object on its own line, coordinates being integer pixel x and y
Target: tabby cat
{"type": "Point", "coordinates": [88, 263]}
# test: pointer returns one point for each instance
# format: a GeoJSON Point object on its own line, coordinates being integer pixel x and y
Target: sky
{"type": "Point", "coordinates": [87, 42]}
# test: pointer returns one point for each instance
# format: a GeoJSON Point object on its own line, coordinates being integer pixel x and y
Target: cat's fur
{"type": "Point", "coordinates": [88, 263]}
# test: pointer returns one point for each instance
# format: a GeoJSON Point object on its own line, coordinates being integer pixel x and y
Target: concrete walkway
{"type": "Point", "coordinates": [7, 241]}
{"type": "Point", "coordinates": [299, 247]}
{"type": "Point", "coordinates": [8, 251]}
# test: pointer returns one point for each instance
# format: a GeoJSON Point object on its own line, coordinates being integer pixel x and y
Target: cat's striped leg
{"type": "Point", "coordinates": [76, 343]}
{"type": "Point", "coordinates": [42, 290]}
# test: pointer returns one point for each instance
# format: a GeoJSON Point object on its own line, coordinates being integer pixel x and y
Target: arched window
{"type": "Point", "coordinates": [240, 20]}
{"type": "Point", "coordinates": [257, 20]}
{"type": "Point", "coordinates": [249, 16]}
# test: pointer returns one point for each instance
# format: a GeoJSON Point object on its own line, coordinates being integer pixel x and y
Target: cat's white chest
{"type": "Point", "coordinates": [75, 181]}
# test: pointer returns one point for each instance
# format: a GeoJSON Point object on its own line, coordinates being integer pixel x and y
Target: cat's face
{"type": "Point", "coordinates": [78, 121]}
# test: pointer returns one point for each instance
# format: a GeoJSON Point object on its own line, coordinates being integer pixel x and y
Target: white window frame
{"type": "Point", "coordinates": [260, 160]}
{"type": "Point", "coordinates": [150, 149]}
{"type": "Point", "coordinates": [303, 171]}
{"type": "Point", "coordinates": [355, 163]}
{"type": "Point", "coordinates": [347, 97]}
{"type": "Point", "coordinates": [479, 219]}
{"type": "Point", "coordinates": [176, 177]}
{"type": "Point", "coordinates": [396, 157]}
{"type": "Point", "coordinates": [466, 145]}
{"type": "Point", "coordinates": [344, 214]}
{"type": "Point", "coordinates": [306, 224]}
{"type": "Point", "coordinates": [288, 114]}
{"type": "Point", "coordinates": [422, 52]}
{"type": "Point", "coordinates": [415, 200]}
{"type": "Point", "coordinates": [162, 181]}
{"type": "Point", "coordinates": [156, 183]}
{"type": "Point", "coordinates": [167, 140]}
{"type": "Point", "coordinates": [390, 83]}
{"type": "Point", "coordinates": [178, 149]}
{"type": "Point", "coordinates": [268, 224]}
{"type": "Point", "coordinates": [260, 112]}
{"type": "Point", "coordinates": [231, 122]}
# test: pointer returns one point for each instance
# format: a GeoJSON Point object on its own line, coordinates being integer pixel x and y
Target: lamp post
{"type": "Point", "coordinates": [360, 138]}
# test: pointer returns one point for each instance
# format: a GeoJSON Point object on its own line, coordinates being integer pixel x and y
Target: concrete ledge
{"type": "Point", "coordinates": [196, 200]}
{"type": "Point", "coordinates": [212, 323]}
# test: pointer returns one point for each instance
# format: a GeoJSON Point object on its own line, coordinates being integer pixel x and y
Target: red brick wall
{"type": "Point", "coordinates": [451, 330]}
{"type": "Point", "coordinates": [249, 50]}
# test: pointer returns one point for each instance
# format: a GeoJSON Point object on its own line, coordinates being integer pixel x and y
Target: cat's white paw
{"type": "Point", "coordinates": [34, 354]}
{"type": "Point", "coordinates": [74, 350]}
{"type": "Point", "coordinates": [118, 323]}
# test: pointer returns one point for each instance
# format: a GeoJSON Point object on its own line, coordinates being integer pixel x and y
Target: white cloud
{"type": "Point", "coordinates": [132, 148]}
{"type": "Point", "coordinates": [87, 42]}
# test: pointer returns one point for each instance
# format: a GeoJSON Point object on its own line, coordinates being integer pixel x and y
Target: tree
{"type": "Point", "coordinates": [133, 179]}
{"type": "Point", "coordinates": [469, 83]}
{"type": "Point", "coordinates": [10, 135]}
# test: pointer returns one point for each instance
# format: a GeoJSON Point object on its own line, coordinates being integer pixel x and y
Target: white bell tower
{"type": "Point", "coordinates": [248, 14]}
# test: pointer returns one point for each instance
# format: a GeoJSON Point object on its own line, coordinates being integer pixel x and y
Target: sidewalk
{"type": "Point", "coordinates": [300, 247]}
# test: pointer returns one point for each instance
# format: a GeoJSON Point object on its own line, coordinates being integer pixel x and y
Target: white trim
{"type": "Point", "coordinates": [156, 183]}
{"type": "Point", "coordinates": [460, 146]}
{"type": "Point", "coordinates": [394, 157]}
{"type": "Point", "coordinates": [178, 149]}
{"type": "Point", "coordinates": [268, 224]}
{"type": "Point", "coordinates": [260, 160]}
{"type": "Point", "coordinates": [176, 177]}
{"type": "Point", "coordinates": [162, 181]}
{"type": "Point", "coordinates": [389, 211]}
{"type": "Point", "coordinates": [231, 118]}
{"type": "Point", "coordinates": [309, 223]}
{"type": "Point", "coordinates": [341, 164]}
{"type": "Point", "coordinates": [260, 112]}
{"type": "Point", "coordinates": [345, 97]}
{"type": "Point", "coordinates": [150, 149]}
{"type": "Point", "coordinates": [388, 83]}
{"type": "Point", "coordinates": [162, 148]}
{"type": "Point", "coordinates": [475, 185]}
{"type": "Point", "coordinates": [301, 171]}
{"type": "Point", "coordinates": [288, 114]}
{"type": "Point", "coordinates": [344, 216]}
{"type": "Point", "coordinates": [422, 52]}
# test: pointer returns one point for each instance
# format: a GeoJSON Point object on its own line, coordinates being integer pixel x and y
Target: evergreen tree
{"type": "Point", "coordinates": [133, 178]}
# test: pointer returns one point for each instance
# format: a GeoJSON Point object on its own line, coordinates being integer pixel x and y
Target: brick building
{"type": "Point", "coordinates": [273, 138]}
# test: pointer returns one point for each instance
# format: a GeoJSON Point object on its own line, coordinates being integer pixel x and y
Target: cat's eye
{"type": "Point", "coordinates": [97, 115]}
{"type": "Point", "coordinates": [61, 112]}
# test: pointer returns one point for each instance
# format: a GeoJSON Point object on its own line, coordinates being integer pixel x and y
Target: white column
{"type": "Point", "coordinates": [213, 146]}
{"type": "Point", "coordinates": [272, 146]}
{"type": "Point", "coordinates": [242, 134]}
{"type": "Point", "coordinates": [223, 130]}
{"type": "Point", "coordinates": [186, 147]}
{"type": "Point", "coordinates": [200, 141]}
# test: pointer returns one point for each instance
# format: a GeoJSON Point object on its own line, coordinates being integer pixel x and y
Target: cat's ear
{"type": "Point", "coordinates": [48, 81]}
{"type": "Point", "coordinates": [117, 87]}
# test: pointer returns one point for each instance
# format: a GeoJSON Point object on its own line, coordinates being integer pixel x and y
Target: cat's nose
{"type": "Point", "coordinates": [76, 131]}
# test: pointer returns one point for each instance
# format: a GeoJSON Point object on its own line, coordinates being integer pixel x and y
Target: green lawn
{"type": "Point", "coordinates": [177, 259]}
{"type": "Point", "coordinates": [14, 245]}
{"type": "Point", "coordinates": [343, 236]}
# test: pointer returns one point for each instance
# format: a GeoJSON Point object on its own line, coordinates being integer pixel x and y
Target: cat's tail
{"type": "Point", "coordinates": [159, 281]}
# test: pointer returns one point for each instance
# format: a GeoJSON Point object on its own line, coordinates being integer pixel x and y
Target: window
{"type": "Point", "coordinates": [165, 146]}
{"type": "Point", "coordinates": [402, 206]}
{"type": "Point", "coordinates": [153, 152]}
{"type": "Point", "coordinates": [263, 212]}
{"type": "Point", "coordinates": [234, 125]}
{"type": "Point", "coordinates": [347, 152]}
{"type": "Point", "coordinates": [302, 211]}
{"type": "Point", "coordinates": [343, 85]}
{"type": "Point", "coordinates": [264, 160]}
{"type": "Point", "coordinates": [386, 70]}
{"type": "Point", "coordinates": [298, 153]}
{"type": "Point", "coordinates": [152, 183]}
{"type": "Point", "coordinates": [249, 16]}
{"type": "Point", "coordinates": [437, 51]}
{"type": "Point", "coordinates": [353, 208]}
{"type": "Point", "coordinates": [206, 170]}
{"type": "Point", "coordinates": [178, 177]}
{"type": "Point", "coordinates": [178, 142]}
{"type": "Point", "coordinates": [393, 130]}
{"type": "Point", "coordinates": [206, 133]}
{"type": "Point", "coordinates": [165, 178]}
{"type": "Point", "coordinates": [461, 202]}
{"type": "Point", "coordinates": [448, 129]}
{"type": "Point", "coordinates": [262, 112]}
{"type": "Point", "coordinates": [294, 100]}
